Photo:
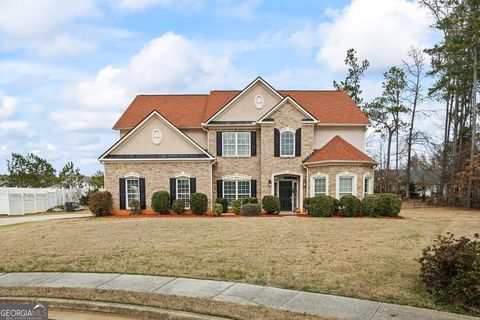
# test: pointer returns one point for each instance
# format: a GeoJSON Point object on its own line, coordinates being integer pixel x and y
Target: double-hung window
{"type": "Point", "coordinates": [236, 189]}
{"type": "Point", "coordinates": [366, 186]}
{"type": "Point", "coordinates": [133, 190]}
{"type": "Point", "coordinates": [236, 144]}
{"type": "Point", "coordinates": [183, 191]}
{"type": "Point", "coordinates": [345, 186]}
{"type": "Point", "coordinates": [287, 144]}
{"type": "Point", "coordinates": [320, 186]}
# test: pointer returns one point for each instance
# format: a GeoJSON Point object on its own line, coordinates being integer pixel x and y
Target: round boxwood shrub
{"type": "Point", "coordinates": [236, 206]}
{"type": "Point", "coordinates": [217, 209]}
{"type": "Point", "coordinates": [135, 207]}
{"type": "Point", "coordinates": [271, 204]}
{"type": "Point", "coordinates": [224, 203]}
{"type": "Point", "coordinates": [372, 205]}
{"type": "Point", "coordinates": [178, 206]}
{"type": "Point", "coordinates": [391, 204]}
{"type": "Point", "coordinates": [198, 203]}
{"type": "Point", "coordinates": [351, 206]}
{"type": "Point", "coordinates": [321, 206]}
{"type": "Point", "coordinates": [251, 209]}
{"type": "Point", "coordinates": [100, 203]}
{"type": "Point", "coordinates": [450, 269]}
{"type": "Point", "coordinates": [161, 202]}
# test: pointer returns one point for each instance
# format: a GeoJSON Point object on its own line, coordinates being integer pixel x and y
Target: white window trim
{"type": "Point", "coordinates": [183, 175]}
{"type": "Point", "coordinates": [131, 177]}
{"type": "Point", "coordinates": [370, 184]}
{"type": "Point", "coordinates": [354, 182]}
{"type": "Point", "coordinates": [236, 187]}
{"type": "Point", "coordinates": [282, 131]}
{"type": "Point", "coordinates": [236, 145]}
{"type": "Point", "coordinates": [237, 176]}
{"type": "Point", "coordinates": [189, 189]}
{"type": "Point", "coordinates": [312, 182]}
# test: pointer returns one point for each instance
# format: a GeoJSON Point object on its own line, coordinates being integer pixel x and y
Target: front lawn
{"type": "Point", "coordinates": [357, 257]}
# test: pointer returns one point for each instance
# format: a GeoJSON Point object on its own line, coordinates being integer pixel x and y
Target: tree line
{"type": "Point", "coordinates": [451, 166]}
{"type": "Point", "coordinates": [33, 171]}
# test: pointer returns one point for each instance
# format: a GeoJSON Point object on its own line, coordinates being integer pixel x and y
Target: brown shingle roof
{"type": "Point", "coordinates": [334, 107]}
{"type": "Point", "coordinates": [338, 149]}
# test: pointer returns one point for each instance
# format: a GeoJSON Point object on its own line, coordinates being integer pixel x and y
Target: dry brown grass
{"type": "Point", "coordinates": [195, 305]}
{"type": "Point", "coordinates": [364, 258]}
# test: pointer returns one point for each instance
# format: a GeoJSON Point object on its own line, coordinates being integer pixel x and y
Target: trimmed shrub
{"type": "Point", "coordinates": [254, 200]}
{"type": "Point", "coordinates": [372, 205]}
{"type": "Point", "coordinates": [249, 200]}
{"type": "Point", "coordinates": [391, 204]}
{"type": "Point", "coordinates": [198, 203]}
{"type": "Point", "coordinates": [251, 209]}
{"type": "Point", "coordinates": [336, 204]}
{"type": "Point", "coordinates": [135, 207]}
{"type": "Point", "coordinates": [161, 202]}
{"type": "Point", "coordinates": [217, 209]}
{"type": "Point", "coordinates": [306, 202]}
{"type": "Point", "coordinates": [351, 206]}
{"type": "Point", "coordinates": [224, 203]}
{"type": "Point", "coordinates": [178, 206]}
{"type": "Point", "coordinates": [100, 203]}
{"type": "Point", "coordinates": [321, 206]}
{"type": "Point", "coordinates": [236, 206]}
{"type": "Point", "coordinates": [450, 269]}
{"type": "Point", "coordinates": [271, 204]}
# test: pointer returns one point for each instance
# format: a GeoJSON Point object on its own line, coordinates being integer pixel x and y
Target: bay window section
{"type": "Point", "coordinates": [236, 144]}
{"type": "Point", "coordinates": [183, 191]}
{"type": "Point", "coordinates": [345, 186]}
{"type": "Point", "coordinates": [320, 186]}
{"type": "Point", "coordinates": [236, 190]}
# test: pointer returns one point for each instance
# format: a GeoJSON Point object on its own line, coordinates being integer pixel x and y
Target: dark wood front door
{"type": "Point", "coordinates": [285, 192]}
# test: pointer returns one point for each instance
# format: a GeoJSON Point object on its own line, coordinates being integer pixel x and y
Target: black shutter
{"type": "Point", "coordinates": [219, 144]}
{"type": "Point", "coordinates": [173, 189]}
{"type": "Point", "coordinates": [193, 185]}
{"type": "Point", "coordinates": [143, 202]}
{"type": "Point", "coordinates": [121, 183]}
{"type": "Point", "coordinates": [219, 189]}
{"type": "Point", "coordinates": [253, 188]}
{"type": "Point", "coordinates": [276, 142]}
{"type": "Point", "coordinates": [298, 143]}
{"type": "Point", "coordinates": [253, 143]}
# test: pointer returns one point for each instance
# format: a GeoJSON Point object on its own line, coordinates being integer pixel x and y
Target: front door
{"type": "Point", "coordinates": [285, 192]}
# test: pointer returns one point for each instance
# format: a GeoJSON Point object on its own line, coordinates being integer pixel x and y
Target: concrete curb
{"type": "Point", "coordinates": [292, 300]}
{"type": "Point", "coordinates": [112, 308]}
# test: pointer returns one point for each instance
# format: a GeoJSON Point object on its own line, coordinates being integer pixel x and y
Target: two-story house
{"type": "Point", "coordinates": [235, 144]}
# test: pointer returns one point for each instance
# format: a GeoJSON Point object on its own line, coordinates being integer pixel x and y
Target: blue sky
{"type": "Point", "coordinates": [69, 68]}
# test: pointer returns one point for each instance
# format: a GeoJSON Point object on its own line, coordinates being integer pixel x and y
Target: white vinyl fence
{"type": "Point", "coordinates": [18, 201]}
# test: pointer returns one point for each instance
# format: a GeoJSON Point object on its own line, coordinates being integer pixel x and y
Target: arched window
{"type": "Point", "coordinates": [287, 144]}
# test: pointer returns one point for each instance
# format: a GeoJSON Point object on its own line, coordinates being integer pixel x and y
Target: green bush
{"type": "Point", "coordinates": [251, 209]}
{"type": "Point", "coordinates": [161, 202]}
{"type": "Point", "coordinates": [391, 204]}
{"type": "Point", "coordinates": [450, 269]}
{"type": "Point", "coordinates": [351, 206]}
{"type": "Point", "coordinates": [178, 206]}
{"type": "Point", "coordinates": [236, 206]}
{"type": "Point", "coordinates": [321, 206]}
{"type": "Point", "coordinates": [224, 203]}
{"type": "Point", "coordinates": [198, 203]}
{"type": "Point", "coordinates": [101, 203]}
{"type": "Point", "coordinates": [271, 204]}
{"type": "Point", "coordinates": [336, 205]}
{"type": "Point", "coordinates": [372, 205]}
{"type": "Point", "coordinates": [135, 207]}
{"type": "Point", "coordinates": [306, 202]}
{"type": "Point", "coordinates": [249, 200]}
{"type": "Point", "coordinates": [217, 209]}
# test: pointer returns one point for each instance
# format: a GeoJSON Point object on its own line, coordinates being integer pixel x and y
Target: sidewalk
{"type": "Point", "coordinates": [298, 301]}
{"type": "Point", "coordinates": [38, 217]}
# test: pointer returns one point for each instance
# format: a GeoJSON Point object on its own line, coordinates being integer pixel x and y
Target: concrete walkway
{"type": "Point", "coordinates": [38, 217]}
{"type": "Point", "coordinates": [298, 301]}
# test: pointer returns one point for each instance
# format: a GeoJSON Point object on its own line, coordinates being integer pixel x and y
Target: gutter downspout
{"type": "Point", "coordinates": [307, 188]}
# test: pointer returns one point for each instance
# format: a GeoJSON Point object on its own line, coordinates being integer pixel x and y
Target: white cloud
{"type": "Point", "coordinates": [7, 105]}
{"type": "Point", "coordinates": [80, 120]}
{"type": "Point", "coordinates": [381, 31]}
{"type": "Point", "coordinates": [142, 4]}
{"type": "Point", "coordinates": [13, 126]}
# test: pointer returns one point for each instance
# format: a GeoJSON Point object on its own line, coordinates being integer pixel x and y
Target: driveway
{"type": "Point", "coordinates": [33, 218]}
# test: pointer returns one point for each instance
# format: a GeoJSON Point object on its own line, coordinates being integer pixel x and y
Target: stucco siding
{"type": "Point", "coordinates": [353, 135]}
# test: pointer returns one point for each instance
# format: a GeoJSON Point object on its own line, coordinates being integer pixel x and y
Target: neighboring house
{"type": "Point", "coordinates": [235, 144]}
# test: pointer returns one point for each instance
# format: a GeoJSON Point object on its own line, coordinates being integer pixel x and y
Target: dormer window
{"type": "Point", "coordinates": [287, 144]}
